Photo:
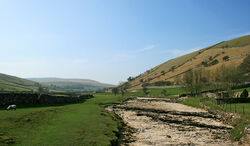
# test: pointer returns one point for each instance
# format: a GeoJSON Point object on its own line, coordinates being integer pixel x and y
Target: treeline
{"type": "Point", "coordinates": [223, 78]}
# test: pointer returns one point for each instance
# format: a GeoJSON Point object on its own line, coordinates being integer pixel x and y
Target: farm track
{"type": "Point", "coordinates": [155, 121]}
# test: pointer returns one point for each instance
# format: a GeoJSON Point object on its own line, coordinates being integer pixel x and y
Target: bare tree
{"type": "Point", "coordinates": [115, 91]}
{"type": "Point", "coordinates": [194, 81]}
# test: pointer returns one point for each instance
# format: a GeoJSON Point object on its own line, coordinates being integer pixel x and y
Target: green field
{"type": "Point", "coordinates": [171, 92]}
{"type": "Point", "coordinates": [192, 101]}
{"type": "Point", "coordinates": [74, 124]}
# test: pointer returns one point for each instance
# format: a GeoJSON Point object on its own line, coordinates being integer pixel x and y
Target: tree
{"type": "Point", "coordinates": [197, 82]}
{"type": "Point", "coordinates": [164, 92]}
{"type": "Point", "coordinates": [225, 58]}
{"type": "Point", "coordinates": [122, 92]}
{"type": "Point", "coordinates": [163, 72]}
{"type": "Point", "coordinates": [194, 81]}
{"type": "Point", "coordinates": [126, 86]}
{"type": "Point", "coordinates": [172, 68]}
{"type": "Point", "coordinates": [231, 76]}
{"type": "Point", "coordinates": [141, 80]}
{"type": "Point", "coordinates": [214, 62]}
{"type": "Point", "coordinates": [245, 68]}
{"type": "Point", "coordinates": [130, 79]}
{"type": "Point", "coordinates": [244, 93]}
{"type": "Point", "coordinates": [115, 91]}
{"type": "Point", "coordinates": [145, 90]}
{"type": "Point", "coordinates": [42, 90]}
{"type": "Point", "coordinates": [188, 81]}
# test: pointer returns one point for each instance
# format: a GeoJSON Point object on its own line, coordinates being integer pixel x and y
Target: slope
{"type": "Point", "coordinates": [12, 83]}
{"type": "Point", "coordinates": [226, 53]}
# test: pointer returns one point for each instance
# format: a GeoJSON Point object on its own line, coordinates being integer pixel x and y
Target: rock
{"type": "Point", "coordinates": [166, 123]}
{"type": "Point", "coordinates": [245, 140]}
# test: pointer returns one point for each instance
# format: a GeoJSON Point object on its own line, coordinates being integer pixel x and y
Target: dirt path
{"type": "Point", "coordinates": [160, 122]}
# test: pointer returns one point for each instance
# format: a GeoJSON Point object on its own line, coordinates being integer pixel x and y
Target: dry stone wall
{"type": "Point", "coordinates": [26, 98]}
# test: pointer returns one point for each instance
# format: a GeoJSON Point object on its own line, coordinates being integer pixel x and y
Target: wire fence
{"type": "Point", "coordinates": [232, 106]}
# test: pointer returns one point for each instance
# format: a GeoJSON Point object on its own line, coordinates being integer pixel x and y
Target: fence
{"type": "Point", "coordinates": [233, 105]}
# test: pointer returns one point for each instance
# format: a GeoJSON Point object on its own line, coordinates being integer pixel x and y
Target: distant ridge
{"type": "Point", "coordinates": [72, 84]}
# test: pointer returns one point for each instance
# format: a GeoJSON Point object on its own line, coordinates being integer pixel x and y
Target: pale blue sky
{"type": "Point", "coordinates": [110, 40]}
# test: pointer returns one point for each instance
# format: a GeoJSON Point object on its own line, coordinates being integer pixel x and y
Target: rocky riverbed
{"type": "Point", "coordinates": [156, 121]}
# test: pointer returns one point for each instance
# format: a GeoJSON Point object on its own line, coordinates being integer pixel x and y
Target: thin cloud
{"type": "Point", "coordinates": [147, 48]}
{"type": "Point", "coordinates": [179, 52]}
{"type": "Point", "coordinates": [238, 35]}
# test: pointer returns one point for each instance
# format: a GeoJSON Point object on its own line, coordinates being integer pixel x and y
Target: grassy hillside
{"type": "Point", "coordinates": [72, 84]}
{"type": "Point", "coordinates": [238, 42]}
{"type": "Point", "coordinates": [210, 58]}
{"type": "Point", "coordinates": [12, 83]}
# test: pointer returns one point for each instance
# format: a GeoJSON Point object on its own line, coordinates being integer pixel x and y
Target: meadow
{"type": "Point", "coordinates": [74, 124]}
{"type": "Point", "coordinates": [170, 92]}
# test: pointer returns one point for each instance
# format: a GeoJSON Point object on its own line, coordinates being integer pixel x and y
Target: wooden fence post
{"type": "Point", "coordinates": [230, 107]}
{"type": "Point", "coordinates": [243, 109]}
{"type": "Point", "coordinates": [226, 108]}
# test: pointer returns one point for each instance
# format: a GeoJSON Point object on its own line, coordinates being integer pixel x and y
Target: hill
{"type": "Point", "coordinates": [12, 83]}
{"type": "Point", "coordinates": [72, 84]}
{"type": "Point", "coordinates": [226, 53]}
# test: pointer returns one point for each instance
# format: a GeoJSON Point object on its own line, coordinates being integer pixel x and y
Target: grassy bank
{"type": "Point", "coordinates": [170, 92]}
{"type": "Point", "coordinates": [239, 123]}
{"type": "Point", "coordinates": [75, 124]}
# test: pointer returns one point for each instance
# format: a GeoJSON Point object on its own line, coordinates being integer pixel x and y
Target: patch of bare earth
{"type": "Point", "coordinates": [159, 122]}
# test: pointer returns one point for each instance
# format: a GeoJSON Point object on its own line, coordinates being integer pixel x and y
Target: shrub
{"type": "Point", "coordinates": [164, 92]}
{"type": "Point", "coordinates": [145, 90]}
{"type": "Point", "coordinates": [244, 93]}
{"type": "Point", "coordinates": [204, 63]}
{"type": "Point", "coordinates": [162, 83]}
{"type": "Point", "coordinates": [163, 72]}
{"type": "Point", "coordinates": [225, 58]}
{"type": "Point", "coordinates": [214, 62]}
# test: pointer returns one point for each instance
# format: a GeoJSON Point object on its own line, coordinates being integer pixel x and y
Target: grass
{"type": "Point", "coordinates": [75, 124]}
{"type": "Point", "coordinates": [241, 89]}
{"type": "Point", "coordinates": [211, 103]}
{"type": "Point", "coordinates": [171, 92]}
{"type": "Point", "coordinates": [192, 101]}
{"type": "Point", "coordinates": [239, 108]}
{"type": "Point", "coordinates": [239, 123]}
{"type": "Point", "coordinates": [238, 42]}
{"type": "Point", "coordinates": [239, 126]}
{"type": "Point", "coordinates": [11, 83]}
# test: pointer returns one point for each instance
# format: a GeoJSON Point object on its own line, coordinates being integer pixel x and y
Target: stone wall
{"type": "Point", "coordinates": [232, 100]}
{"type": "Point", "coordinates": [26, 98]}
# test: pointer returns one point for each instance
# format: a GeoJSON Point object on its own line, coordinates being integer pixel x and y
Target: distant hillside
{"type": "Point", "coordinates": [12, 83]}
{"type": "Point", "coordinates": [226, 53]}
{"type": "Point", "coordinates": [72, 84]}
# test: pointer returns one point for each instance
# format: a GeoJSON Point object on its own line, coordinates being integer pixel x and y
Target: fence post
{"type": "Point", "coordinates": [230, 107]}
{"type": "Point", "coordinates": [243, 110]}
{"type": "Point", "coordinates": [226, 108]}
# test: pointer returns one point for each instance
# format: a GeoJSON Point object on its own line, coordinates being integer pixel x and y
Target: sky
{"type": "Point", "coordinates": [110, 40]}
